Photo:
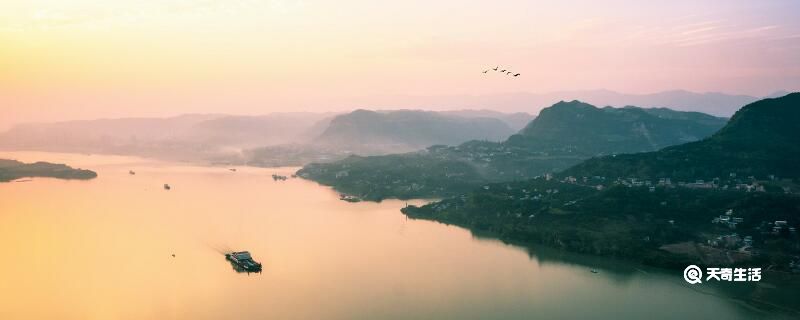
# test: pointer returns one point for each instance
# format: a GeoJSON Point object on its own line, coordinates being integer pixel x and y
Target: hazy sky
{"type": "Point", "coordinates": [101, 58]}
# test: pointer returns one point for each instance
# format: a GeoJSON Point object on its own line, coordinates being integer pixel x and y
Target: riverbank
{"type": "Point", "coordinates": [776, 291]}
{"type": "Point", "coordinates": [647, 225]}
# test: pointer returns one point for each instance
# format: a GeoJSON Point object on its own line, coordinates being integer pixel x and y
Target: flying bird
{"type": "Point", "coordinates": [504, 70]}
{"type": "Point", "coordinates": [508, 72]}
{"type": "Point", "coordinates": [516, 74]}
{"type": "Point", "coordinates": [173, 255]}
{"type": "Point", "coordinates": [485, 71]}
{"type": "Point", "coordinates": [495, 68]}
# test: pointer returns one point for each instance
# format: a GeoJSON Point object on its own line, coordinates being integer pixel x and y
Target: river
{"type": "Point", "coordinates": [102, 249]}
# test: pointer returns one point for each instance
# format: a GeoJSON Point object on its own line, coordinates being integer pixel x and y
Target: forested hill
{"type": "Point", "coordinates": [761, 139]}
{"type": "Point", "coordinates": [580, 127]}
{"type": "Point", "coordinates": [561, 136]}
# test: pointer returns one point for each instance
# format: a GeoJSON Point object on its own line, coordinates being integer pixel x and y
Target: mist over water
{"type": "Point", "coordinates": [102, 249]}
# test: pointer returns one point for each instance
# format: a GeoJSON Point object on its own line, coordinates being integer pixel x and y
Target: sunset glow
{"type": "Point", "coordinates": [79, 59]}
{"type": "Point", "coordinates": [367, 159]}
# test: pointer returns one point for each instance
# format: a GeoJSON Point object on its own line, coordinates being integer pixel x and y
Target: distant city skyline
{"type": "Point", "coordinates": [93, 59]}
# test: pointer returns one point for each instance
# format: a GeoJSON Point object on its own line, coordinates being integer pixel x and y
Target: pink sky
{"type": "Point", "coordinates": [93, 58]}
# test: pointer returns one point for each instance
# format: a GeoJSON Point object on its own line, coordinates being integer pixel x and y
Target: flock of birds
{"type": "Point", "coordinates": [506, 71]}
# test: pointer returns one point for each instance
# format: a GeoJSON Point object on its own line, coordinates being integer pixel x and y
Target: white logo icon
{"type": "Point", "coordinates": [693, 274]}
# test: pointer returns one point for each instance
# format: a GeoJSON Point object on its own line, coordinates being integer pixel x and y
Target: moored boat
{"type": "Point", "coordinates": [349, 198]}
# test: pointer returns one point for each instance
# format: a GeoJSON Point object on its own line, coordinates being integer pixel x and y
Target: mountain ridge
{"type": "Point", "coordinates": [443, 170]}
{"type": "Point", "coordinates": [407, 130]}
{"type": "Point", "coordinates": [713, 103]}
{"type": "Point", "coordinates": [763, 132]}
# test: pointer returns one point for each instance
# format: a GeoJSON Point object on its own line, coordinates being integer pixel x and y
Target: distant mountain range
{"type": "Point", "coordinates": [366, 132]}
{"type": "Point", "coordinates": [763, 138]}
{"type": "Point", "coordinates": [714, 103]}
{"type": "Point", "coordinates": [185, 137]}
{"type": "Point", "coordinates": [406, 130]}
{"type": "Point", "coordinates": [255, 131]}
{"type": "Point", "coordinates": [516, 120]}
{"type": "Point", "coordinates": [273, 139]}
{"type": "Point", "coordinates": [563, 135]}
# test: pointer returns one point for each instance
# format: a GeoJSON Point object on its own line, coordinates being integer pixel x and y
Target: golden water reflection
{"type": "Point", "coordinates": [102, 249]}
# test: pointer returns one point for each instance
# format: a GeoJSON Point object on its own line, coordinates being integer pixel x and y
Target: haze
{"type": "Point", "coordinates": [89, 59]}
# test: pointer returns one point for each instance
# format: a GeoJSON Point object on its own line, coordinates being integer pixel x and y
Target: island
{"type": "Point", "coordinates": [13, 169]}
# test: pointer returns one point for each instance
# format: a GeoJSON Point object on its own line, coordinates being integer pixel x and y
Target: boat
{"type": "Point", "coordinates": [167, 187]}
{"type": "Point", "coordinates": [232, 169]}
{"type": "Point", "coordinates": [244, 261]}
{"type": "Point", "coordinates": [594, 271]}
{"type": "Point", "coordinates": [131, 172]}
{"type": "Point", "coordinates": [349, 198]}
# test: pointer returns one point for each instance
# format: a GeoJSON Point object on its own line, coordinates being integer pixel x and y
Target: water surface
{"type": "Point", "coordinates": [102, 249]}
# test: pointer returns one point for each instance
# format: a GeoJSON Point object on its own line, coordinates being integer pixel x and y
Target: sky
{"type": "Point", "coordinates": [88, 59]}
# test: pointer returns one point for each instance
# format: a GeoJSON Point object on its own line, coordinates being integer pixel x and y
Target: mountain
{"type": "Point", "coordinates": [276, 139]}
{"type": "Point", "coordinates": [649, 207]}
{"type": "Point", "coordinates": [714, 103]}
{"type": "Point", "coordinates": [79, 131]}
{"type": "Point", "coordinates": [12, 169]}
{"type": "Point", "coordinates": [405, 130]}
{"type": "Point", "coordinates": [185, 137]}
{"type": "Point", "coordinates": [516, 120]}
{"type": "Point", "coordinates": [761, 139]}
{"type": "Point", "coordinates": [367, 132]}
{"type": "Point", "coordinates": [583, 128]}
{"type": "Point", "coordinates": [561, 136]}
{"type": "Point", "coordinates": [255, 131]}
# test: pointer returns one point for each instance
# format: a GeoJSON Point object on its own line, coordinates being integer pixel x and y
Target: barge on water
{"type": "Point", "coordinates": [244, 261]}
